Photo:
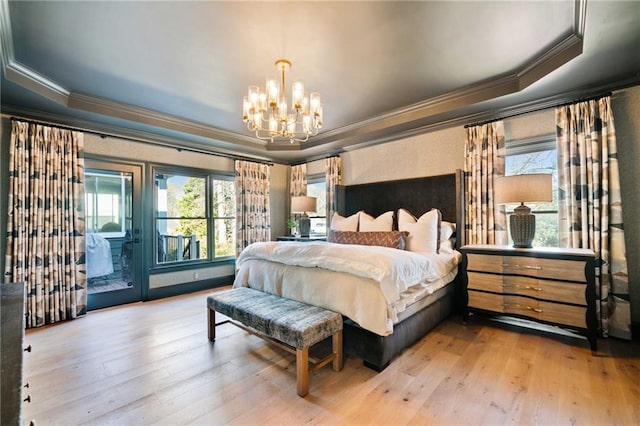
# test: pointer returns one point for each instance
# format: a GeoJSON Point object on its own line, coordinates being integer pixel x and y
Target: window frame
{"type": "Point", "coordinates": [209, 176]}
{"type": "Point", "coordinates": [529, 146]}
{"type": "Point", "coordinates": [313, 179]}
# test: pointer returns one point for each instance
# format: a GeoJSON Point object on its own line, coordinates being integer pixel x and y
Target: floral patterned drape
{"type": "Point", "coordinates": [485, 222]}
{"type": "Point", "coordinates": [333, 177]}
{"type": "Point", "coordinates": [45, 226]}
{"type": "Point", "coordinates": [252, 204]}
{"type": "Point", "coordinates": [590, 206]}
{"type": "Point", "coordinates": [298, 184]}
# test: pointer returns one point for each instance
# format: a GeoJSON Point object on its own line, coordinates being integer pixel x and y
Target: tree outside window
{"type": "Point", "coordinates": [184, 222]}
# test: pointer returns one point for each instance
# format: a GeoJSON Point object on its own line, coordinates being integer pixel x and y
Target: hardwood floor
{"type": "Point", "coordinates": [151, 363]}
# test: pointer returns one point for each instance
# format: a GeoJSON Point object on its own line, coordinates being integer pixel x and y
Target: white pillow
{"type": "Point", "coordinates": [446, 246]}
{"type": "Point", "coordinates": [341, 223]}
{"type": "Point", "coordinates": [382, 223]}
{"type": "Point", "coordinates": [447, 229]}
{"type": "Point", "coordinates": [423, 232]}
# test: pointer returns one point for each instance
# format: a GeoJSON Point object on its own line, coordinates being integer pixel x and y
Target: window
{"type": "Point", "coordinates": [537, 156]}
{"type": "Point", "coordinates": [317, 187]}
{"type": "Point", "coordinates": [194, 216]}
{"type": "Point", "coordinates": [108, 202]}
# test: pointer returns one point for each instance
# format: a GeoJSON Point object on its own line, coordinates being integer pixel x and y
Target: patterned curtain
{"type": "Point", "coordinates": [298, 185]}
{"type": "Point", "coordinates": [485, 222]}
{"type": "Point", "coordinates": [45, 227]}
{"type": "Point", "coordinates": [333, 170]}
{"type": "Point", "coordinates": [590, 206]}
{"type": "Point", "coordinates": [252, 204]}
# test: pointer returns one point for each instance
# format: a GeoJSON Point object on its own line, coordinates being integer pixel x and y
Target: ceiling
{"type": "Point", "coordinates": [175, 72]}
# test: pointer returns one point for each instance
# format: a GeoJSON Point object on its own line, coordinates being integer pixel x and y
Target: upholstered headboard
{"type": "Point", "coordinates": [418, 195]}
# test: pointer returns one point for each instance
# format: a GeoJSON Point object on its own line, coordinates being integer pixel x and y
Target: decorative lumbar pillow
{"type": "Point", "coordinates": [393, 239]}
{"type": "Point", "coordinates": [424, 233]}
{"type": "Point", "coordinates": [341, 223]}
{"type": "Point", "coordinates": [382, 223]}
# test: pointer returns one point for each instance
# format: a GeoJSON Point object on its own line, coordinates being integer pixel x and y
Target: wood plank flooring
{"type": "Point", "coordinates": [151, 363]}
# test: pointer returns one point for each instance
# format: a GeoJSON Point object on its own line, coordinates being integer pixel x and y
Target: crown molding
{"type": "Point", "coordinates": [154, 118]}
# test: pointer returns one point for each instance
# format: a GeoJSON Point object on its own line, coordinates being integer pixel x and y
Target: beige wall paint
{"type": "Point", "coordinates": [429, 154]}
{"type": "Point", "coordinates": [144, 152]}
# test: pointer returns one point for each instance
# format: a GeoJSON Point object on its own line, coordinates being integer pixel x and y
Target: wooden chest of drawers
{"type": "Point", "coordinates": [550, 285]}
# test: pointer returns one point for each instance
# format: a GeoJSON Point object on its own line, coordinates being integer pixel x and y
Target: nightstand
{"type": "Point", "coordinates": [305, 239]}
{"type": "Point", "coordinates": [554, 286]}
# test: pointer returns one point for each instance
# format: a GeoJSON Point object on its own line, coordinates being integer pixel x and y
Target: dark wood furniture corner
{"type": "Point", "coordinates": [554, 286]}
{"type": "Point", "coordinates": [11, 341]}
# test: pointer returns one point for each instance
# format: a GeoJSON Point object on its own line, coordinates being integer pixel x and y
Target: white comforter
{"type": "Point", "coordinates": [368, 284]}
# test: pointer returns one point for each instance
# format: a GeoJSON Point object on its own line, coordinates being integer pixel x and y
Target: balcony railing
{"type": "Point", "coordinates": [175, 248]}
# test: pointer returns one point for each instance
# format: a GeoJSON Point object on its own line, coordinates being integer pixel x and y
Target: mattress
{"type": "Point", "coordinates": [359, 298]}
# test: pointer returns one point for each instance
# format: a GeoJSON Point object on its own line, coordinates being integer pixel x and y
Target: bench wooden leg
{"type": "Point", "coordinates": [211, 324]}
{"type": "Point", "coordinates": [302, 371]}
{"type": "Point", "coordinates": [337, 350]}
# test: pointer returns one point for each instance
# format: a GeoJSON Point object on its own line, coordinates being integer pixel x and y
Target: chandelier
{"type": "Point", "coordinates": [265, 110]}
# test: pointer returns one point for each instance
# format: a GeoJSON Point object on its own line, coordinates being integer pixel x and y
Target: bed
{"type": "Point", "coordinates": [288, 269]}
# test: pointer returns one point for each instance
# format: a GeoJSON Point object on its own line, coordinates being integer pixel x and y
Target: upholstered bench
{"type": "Point", "coordinates": [292, 325]}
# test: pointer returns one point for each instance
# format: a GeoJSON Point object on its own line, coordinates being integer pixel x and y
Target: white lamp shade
{"type": "Point", "coordinates": [303, 204]}
{"type": "Point", "coordinates": [532, 188]}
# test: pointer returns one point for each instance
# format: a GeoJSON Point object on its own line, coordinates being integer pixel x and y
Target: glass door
{"type": "Point", "coordinates": [113, 235]}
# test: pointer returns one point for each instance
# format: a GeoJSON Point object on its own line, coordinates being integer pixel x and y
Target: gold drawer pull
{"type": "Point", "coordinates": [525, 287]}
{"type": "Point", "coordinates": [528, 287]}
{"type": "Point", "coordinates": [517, 305]}
{"type": "Point", "coordinates": [508, 265]}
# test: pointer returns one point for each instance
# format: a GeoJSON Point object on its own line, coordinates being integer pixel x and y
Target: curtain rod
{"type": "Point", "coordinates": [104, 135]}
{"type": "Point", "coordinates": [590, 98]}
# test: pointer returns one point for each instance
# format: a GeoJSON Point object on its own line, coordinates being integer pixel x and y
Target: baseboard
{"type": "Point", "coordinates": [635, 331]}
{"type": "Point", "coordinates": [190, 287]}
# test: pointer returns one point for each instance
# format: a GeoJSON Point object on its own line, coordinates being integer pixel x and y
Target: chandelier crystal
{"type": "Point", "coordinates": [265, 110]}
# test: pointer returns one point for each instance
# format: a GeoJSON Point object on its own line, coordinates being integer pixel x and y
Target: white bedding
{"type": "Point", "coordinates": [369, 284]}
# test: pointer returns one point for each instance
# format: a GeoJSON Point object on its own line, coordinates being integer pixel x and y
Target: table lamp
{"type": "Point", "coordinates": [531, 188]}
{"type": "Point", "coordinates": [303, 205]}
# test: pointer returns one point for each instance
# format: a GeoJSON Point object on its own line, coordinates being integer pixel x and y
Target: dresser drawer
{"type": "Point", "coordinates": [563, 292]}
{"type": "Point", "coordinates": [574, 316]}
{"type": "Point", "coordinates": [560, 269]}
{"type": "Point", "coordinates": [486, 301]}
{"type": "Point", "coordinates": [484, 263]}
{"type": "Point", "coordinates": [505, 304]}
{"type": "Point", "coordinates": [486, 282]}
{"type": "Point", "coordinates": [544, 289]}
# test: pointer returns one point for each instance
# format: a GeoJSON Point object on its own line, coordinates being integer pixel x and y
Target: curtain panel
{"type": "Point", "coordinates": [46, 221]}
{"type": "Point", "coordinates": [485, 222]}
{"type": "Point", "coordinates": [253, 215]}
{"type": "Point", "coordinates": [333, 178]}
{"type": "Point", "coordinates": [590, 205]}
{"type": "Point", "coordinates": [298, 182]}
